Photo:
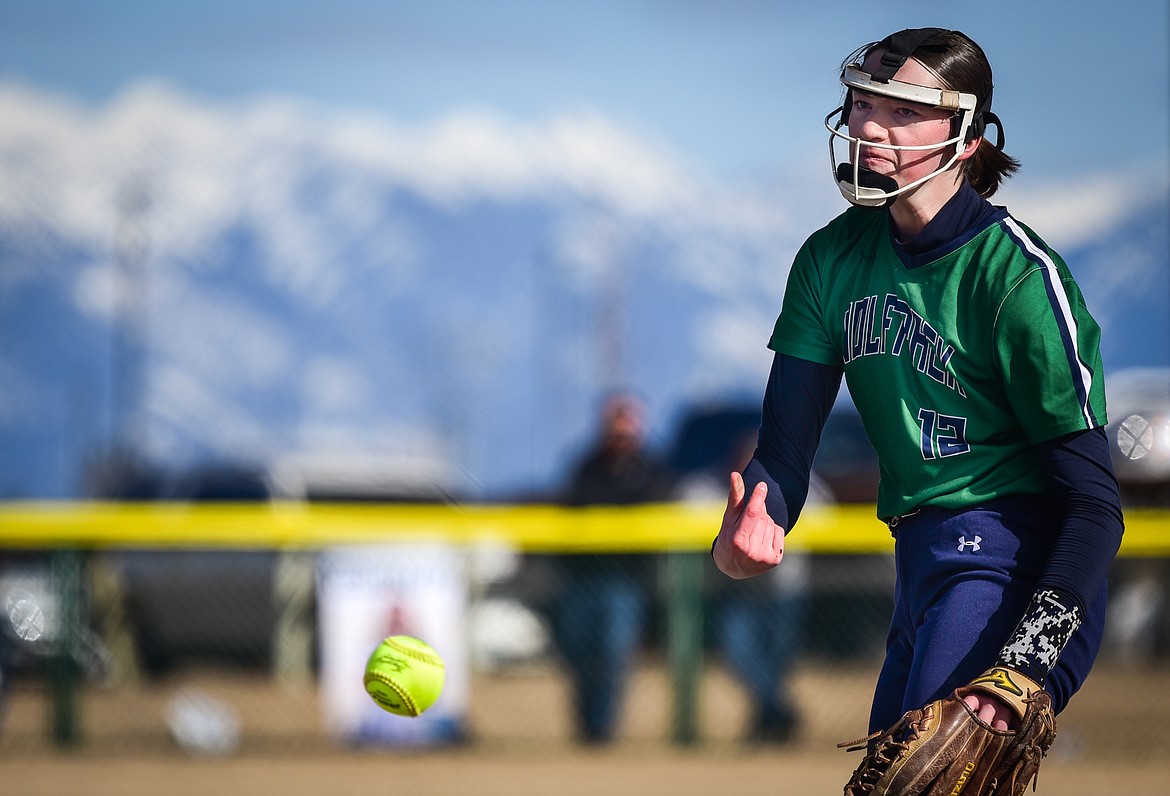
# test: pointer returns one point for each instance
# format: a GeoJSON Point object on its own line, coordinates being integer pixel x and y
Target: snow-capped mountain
{"type": "Point", "coordinates": [246, 281]}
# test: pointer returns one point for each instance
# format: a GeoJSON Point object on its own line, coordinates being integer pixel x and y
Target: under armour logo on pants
{"type": "Point", "coordinates": [973, 545]}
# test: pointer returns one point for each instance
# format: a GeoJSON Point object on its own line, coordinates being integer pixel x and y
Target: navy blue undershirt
{"type": "Point", "coordinates": [800, 394]}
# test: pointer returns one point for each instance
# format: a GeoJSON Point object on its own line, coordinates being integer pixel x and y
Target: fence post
{"type": "Point", "coordinates": [66, 573]}
{"type": "Point", "coordinates": [684, 579]}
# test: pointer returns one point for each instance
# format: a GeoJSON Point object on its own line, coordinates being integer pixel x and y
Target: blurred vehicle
{"type": "Point", "coordinates": [32, 627]}
{"type": "Point", "coordinates": [711, 438]}
{"type": "Point", "coordinates": [852, 595]}
{"type": "Point", "coordinates": [201, 605]}
{"type": "Point", "coordinates": [228, 607]}
{"type": "Point", "coordinates": [1139, 434]}
{"type": "Point", "coordinates": [1138, 630]}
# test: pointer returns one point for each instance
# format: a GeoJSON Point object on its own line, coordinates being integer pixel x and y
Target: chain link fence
{"type": "Point", "coordinates": [229, 651]}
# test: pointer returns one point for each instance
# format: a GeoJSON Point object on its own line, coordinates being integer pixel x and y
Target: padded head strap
{"type": "Point", "coordinates": [898, 47]}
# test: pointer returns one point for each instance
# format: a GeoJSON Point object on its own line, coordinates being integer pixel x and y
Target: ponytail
{"type": "Point", "coordinates": [988, 168]}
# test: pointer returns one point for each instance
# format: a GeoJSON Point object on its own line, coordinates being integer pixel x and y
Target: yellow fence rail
{"type": "Point", "coordinates": [846, 529]}
{"type": "Point", "coordinates": [682, 530]}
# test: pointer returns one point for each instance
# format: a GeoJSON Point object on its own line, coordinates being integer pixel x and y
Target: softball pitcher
{"type": "Point", "coordinates": [974, 363]}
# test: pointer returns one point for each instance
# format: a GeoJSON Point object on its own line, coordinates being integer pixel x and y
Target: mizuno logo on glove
{"type": "Point", "coordinates": [1000, 679]}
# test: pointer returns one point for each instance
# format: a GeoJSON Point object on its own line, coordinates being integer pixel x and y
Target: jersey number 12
{"type": "Point", "coordinates": [942, 435]}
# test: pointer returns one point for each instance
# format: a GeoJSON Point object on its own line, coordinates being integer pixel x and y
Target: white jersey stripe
{"type": "Point", "coordinates": [1064, 315]}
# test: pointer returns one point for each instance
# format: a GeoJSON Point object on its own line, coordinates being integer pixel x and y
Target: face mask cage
{"type": "Point", "coordinates": [864, 187]}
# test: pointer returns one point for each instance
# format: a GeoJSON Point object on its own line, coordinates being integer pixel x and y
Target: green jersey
{"type": "Point", "coordinates": [959, 365]}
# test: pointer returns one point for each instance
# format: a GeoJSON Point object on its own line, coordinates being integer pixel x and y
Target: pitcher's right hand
{"type": "Point", "coordinates": [749, 542]}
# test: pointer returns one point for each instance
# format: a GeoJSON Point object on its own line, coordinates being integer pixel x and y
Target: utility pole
{"type": "Point", "coordinates": [120, 462]}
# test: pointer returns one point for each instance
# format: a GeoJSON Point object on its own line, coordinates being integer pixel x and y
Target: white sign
{"type": "Point", "coordinates": [365, 594]}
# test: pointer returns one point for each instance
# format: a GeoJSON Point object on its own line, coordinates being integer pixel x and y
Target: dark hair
{"type": "Point", "coordinates": [962, 65]}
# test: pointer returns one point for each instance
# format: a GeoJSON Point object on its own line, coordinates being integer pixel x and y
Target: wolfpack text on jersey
{"type": "Point", "coordinates": [960, 360]}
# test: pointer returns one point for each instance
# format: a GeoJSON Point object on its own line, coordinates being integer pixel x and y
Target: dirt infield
{"type": "Point", "coordinates": [615, 772]}
{"type": "Point", "coordinates": [522, 743]}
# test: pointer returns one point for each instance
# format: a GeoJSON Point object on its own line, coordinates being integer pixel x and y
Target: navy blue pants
{"type": "Point", "coordinates": [964, 580]}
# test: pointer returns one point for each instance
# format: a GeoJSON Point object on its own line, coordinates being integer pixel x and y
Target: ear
{"type": "Point", "coordinates": [970, 147]}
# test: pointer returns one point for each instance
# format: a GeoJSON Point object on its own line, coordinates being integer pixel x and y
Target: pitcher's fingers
{"type": "Point", "coordinates": [756, 512]}
{"type": "Point", "coordinates": [735, 492]}
{"type": "Point", "coordinates": [766, 538]}
{"type": "Point", "coordinates": [758, 502]}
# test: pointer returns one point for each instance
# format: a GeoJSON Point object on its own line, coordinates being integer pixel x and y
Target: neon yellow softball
{"type": "Point", "coordinates": [404, 675]}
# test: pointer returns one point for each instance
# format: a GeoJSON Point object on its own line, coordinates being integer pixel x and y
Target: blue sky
{"type": "Point", "coordinates": [626, 105]}
{"type": "Point", "coordinates": [736, 86]}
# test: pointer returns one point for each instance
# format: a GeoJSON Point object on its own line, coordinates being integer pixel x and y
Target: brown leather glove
{"type": "Point", "coordinates": [943, 749]}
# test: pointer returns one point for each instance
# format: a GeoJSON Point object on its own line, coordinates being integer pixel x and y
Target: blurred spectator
{"type": "Point", "coordinates": [757, 623]}
{"type": "Point", "coordinates": [599, 614]}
